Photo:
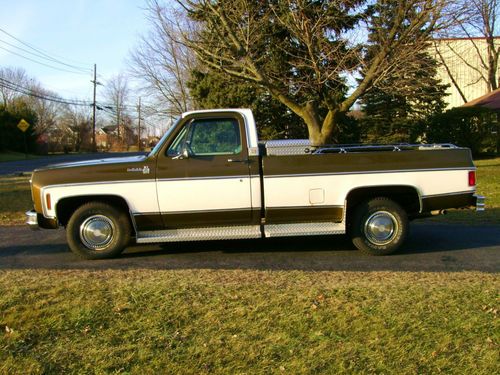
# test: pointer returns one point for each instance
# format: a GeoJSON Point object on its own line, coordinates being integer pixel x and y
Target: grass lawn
{"type": "Point", "coordinates": [14, 156]}
{"type": "Point", "coordinates": [15, 199]}
{"type": "Point", "coordinates": [248, 322]}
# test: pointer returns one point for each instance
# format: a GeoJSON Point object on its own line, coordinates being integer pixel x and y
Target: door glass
{"type": "Point", "coordinates": [214, 137]}
{"type": "Point", "coordinates": [177, 145]}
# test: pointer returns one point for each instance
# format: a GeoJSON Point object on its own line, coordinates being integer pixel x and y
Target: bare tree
{"type": "Point", "coordinates": [302, 51]}
{"type": "Point", "coordinates": [162, 62]}
{"type": "Point", "coordinates": [73, 128]}
{"type": "Point", "coordinates": [117, 93]}
{"type": "Point", "coordinates": [476, 22]}
{"type": "Point", "coordinates": [10, 78]}
{"type": "Point", "coordinates": [46, 111]}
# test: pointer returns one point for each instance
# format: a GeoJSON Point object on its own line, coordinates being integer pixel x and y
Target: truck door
{"type": "Point", "coordinates": [203, 177]}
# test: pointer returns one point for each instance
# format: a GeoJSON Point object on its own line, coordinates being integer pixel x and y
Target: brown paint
{"type": "Point", "coordinates": [367, 162]}
{"type": "Point", "coordinates": [281, 215]}
{"type": "Point", "coordinates": [151, 221]}
{"type": "Point", "coordinates": [441, 202]}
{"type": "Point", "coordinates": [200, 219]}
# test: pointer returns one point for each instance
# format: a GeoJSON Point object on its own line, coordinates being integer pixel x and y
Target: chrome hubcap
{"type": "Point", "coordinates": [96, 232]}
{"type": "Point", "coordinates": [381, 228]}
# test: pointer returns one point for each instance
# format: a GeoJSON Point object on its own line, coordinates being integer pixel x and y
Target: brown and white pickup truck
{"type": "Point", "coordinates": [210, 179]}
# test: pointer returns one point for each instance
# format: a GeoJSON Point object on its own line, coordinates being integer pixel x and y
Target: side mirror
{"type": "Point", "coordinates": [183, 155]}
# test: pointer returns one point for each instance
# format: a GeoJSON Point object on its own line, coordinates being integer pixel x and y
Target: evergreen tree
{"type": "Point", "coordinates": [274, 120]}
{"type": "Point", "coordinates": [11, 138]}
{"type": "Point", "coordinates": [398, 106]}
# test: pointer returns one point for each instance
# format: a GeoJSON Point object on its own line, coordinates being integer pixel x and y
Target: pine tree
{"type": "Point", "coordinates": [397, 107]}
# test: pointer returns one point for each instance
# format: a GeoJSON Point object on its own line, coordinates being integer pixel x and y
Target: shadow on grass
{"type": "Point", "coordinates": [430, 247]}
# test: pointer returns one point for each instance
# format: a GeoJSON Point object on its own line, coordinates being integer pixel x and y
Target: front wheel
{"type": "Point", "coordinates": [97, 230]}
{"type": "Point", "coordinates": [379, 226]}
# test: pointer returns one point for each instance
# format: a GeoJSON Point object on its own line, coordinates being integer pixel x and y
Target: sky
{"type": "Point", "coordinates": [77, 32]}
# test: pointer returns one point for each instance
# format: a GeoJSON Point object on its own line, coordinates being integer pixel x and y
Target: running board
{"type": "Point", "coordinates": [200, 234]}
{"type": "Point", "coordinates": [304, 229]}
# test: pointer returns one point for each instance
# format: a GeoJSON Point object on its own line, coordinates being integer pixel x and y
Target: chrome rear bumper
{"type": "Point", "coordinates": [479, 202]}
{"type": "Point", "coordinates": [32, 219]}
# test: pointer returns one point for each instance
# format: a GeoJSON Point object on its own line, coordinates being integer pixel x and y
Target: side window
{"type": "Point", "coordinates": [177, 145]}
{"type": "Point", "coordinates": [209, 137]}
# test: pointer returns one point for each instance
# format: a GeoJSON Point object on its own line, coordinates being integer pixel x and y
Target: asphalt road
{"type": "Point", "coordinates": [430, 248]}
{"type": "Point", "coordinates": [21, 166]}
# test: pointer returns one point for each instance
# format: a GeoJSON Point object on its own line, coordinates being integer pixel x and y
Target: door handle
{"type": "Point", "coordinates": [238, 160]}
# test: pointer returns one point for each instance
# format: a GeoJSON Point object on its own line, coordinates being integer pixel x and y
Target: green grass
{"type": "Point", "coordinates": [15, 199]}
{"type": "Point", "coordinates": [248, 322]}
{"type": "Point", "coordinates": [15, 156]}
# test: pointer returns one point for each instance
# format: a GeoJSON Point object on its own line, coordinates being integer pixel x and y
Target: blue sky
{"type": "Point", "coordinates": [80, 32]}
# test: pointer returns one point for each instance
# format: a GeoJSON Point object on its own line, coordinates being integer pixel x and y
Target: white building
{"type": "Point", "coordinates": [465, 60]}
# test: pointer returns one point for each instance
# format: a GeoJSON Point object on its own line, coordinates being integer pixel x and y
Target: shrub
{"type": "Point", "coordinates": [472, 127]}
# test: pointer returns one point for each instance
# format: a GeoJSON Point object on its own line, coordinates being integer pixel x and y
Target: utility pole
{"type": "Point", "coordinates": [94, 146]}
{"type": "Point", "coordinates": [139, 125]}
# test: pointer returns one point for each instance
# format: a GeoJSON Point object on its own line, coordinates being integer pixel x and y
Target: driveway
{"type": "Point", "coordinates": [20, 166]}
{"type": "Point", "coordinates": [430, 248]}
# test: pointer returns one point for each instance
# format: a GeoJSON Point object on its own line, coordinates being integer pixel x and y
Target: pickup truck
{"type": "Point", "coordinates": [209, 178]}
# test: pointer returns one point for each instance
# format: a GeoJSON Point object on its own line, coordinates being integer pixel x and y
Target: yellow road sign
{"type": "Point", "coordinates": [23, 125]}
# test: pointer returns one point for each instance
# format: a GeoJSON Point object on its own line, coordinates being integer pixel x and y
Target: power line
{"type": "Point", "coordinates": [36, 49]}
{"type": "Point", "coordinates": [45, 58]}
{"type": "Point", "coordinates": [30, 92]}
{"type": "Point", "coordinates": [41, 63]}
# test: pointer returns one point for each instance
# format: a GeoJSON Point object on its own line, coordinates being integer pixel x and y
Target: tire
{"type": "Point", "coordinates": [379, 226]}
{"type": "Point", "coordinates": [97, 230]}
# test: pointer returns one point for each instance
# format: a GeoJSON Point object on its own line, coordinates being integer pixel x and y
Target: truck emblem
{"type": "Point", "coordinates": [144, 170]}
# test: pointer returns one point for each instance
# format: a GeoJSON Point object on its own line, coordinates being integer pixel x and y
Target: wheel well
{"type": "Point", "coordinates": [66, 206]}
{"type": "Point", "coordinates": [406, 196]}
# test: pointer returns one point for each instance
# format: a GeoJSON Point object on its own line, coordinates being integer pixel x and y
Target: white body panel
{"type": "Point", "coordinates": [198, 194]}
{"type": "Point", "coordinates": [290, 191]}
{"type": "Point", "coordinates": [140, 195]}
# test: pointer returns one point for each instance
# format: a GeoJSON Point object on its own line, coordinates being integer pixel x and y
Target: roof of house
{"type": "Point", "coordinates": [111, 128]}
{"type": "Point", "coordinates": [490, 100]}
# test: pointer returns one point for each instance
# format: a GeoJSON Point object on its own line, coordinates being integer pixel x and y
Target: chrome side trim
{"type": "Point", "coordinates": [203, 178]}
{"type": "Point", "coordinates": [200, 234]}
{"type": "Point", "coordinates": [367, 172]}
{"type": "Point", "coordinates": [480, 205]}
{"type": "Point", "coordinates": [305, 207]}
{"type": "Point", "coordinates": [208, 210]}
{"type": "Point", "coordinates": [304, 229]}
{"type": "Point", "coordinates": [110, 182]}
{"type": "Point", "coordinates": [32, 220]}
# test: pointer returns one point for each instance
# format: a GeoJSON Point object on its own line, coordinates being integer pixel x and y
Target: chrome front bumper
{"type": "Point", "coordinates": [32, 219]}
{"type": "Point", "coordinates": [479, 202]}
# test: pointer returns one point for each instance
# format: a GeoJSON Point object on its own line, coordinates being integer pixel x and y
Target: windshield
{"type": "Point", "coordinates": [155, 150]}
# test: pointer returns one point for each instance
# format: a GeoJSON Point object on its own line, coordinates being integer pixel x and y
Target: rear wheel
{"type": "Point", "coordinates": [379, 226]}
{"type": "Point", "coordinates": [97, 230]}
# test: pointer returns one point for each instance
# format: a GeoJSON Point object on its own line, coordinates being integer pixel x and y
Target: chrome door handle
{"type": "Point", "coordinates": [237, 161]}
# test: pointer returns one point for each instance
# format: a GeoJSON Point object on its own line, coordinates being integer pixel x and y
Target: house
{"type": "Point", "coordinates": [115, 139]}
{"type": "Point", "coordinates": [462, 63]}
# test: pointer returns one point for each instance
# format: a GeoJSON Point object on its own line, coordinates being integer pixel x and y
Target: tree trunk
{"type": "Point", "coordinates": [327, 132]}
{"type": "Point", "coordinates": [320, 132]}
